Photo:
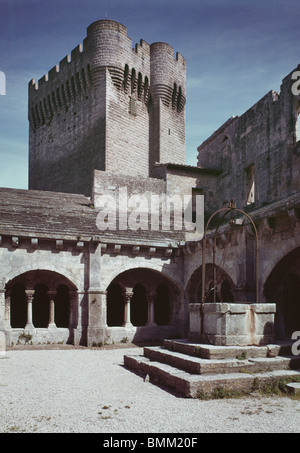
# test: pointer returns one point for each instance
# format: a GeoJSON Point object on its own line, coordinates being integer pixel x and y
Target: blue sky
{"type": "Point", "coordinates": [236, 51]}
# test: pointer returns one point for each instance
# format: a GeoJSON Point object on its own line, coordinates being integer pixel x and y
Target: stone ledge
{"type": "Point", "coordinates": [207, 351]}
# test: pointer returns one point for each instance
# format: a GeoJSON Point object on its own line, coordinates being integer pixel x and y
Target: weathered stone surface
{"type": "Point", "coordinates": [196, 365]}
{"type": "Point", "coordinates": [227, 324]}
{"type": "Point", "coordinates": [207, 351]}
{"type": "Point", "coordinates": [193, 385]}
{"type": "Point", "coordinates": [98, 101]}
{"type": "Point", "coordinates": [94, 129]}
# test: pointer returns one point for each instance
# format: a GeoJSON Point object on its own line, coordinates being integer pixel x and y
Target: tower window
{"type": "Point", "coordinates": [196, 191]}
{"type": "Point", "coordinates": [250, 185]}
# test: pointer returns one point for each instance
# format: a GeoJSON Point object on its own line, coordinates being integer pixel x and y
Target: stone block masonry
{"type": "Point", "coordinates": [258, 152]}
{"type": "Point", "coordinates": [106, 107]}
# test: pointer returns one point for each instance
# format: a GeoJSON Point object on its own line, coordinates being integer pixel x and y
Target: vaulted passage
{"type": "Point", "coordinates": [283, 288]}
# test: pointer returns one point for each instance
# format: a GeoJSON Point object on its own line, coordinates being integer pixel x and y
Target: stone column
{"type": "Point", "coordinates": [29, 299]}
{"type": "Point", "coordinates": [96, 330]}
{"type": "Point", "coordinates": [73, 302]}
{"type": "Point", "coordinates": [2, 309]}
{"type": "Point", "coordinates": [7, 310]}
{"type": "Point", "coordinates": [150, 300]}
{"type": "Point", "coordinates": [51, 295]}
{"type": "Point", "coordinates": [128, 296]}
{"type": "Point", "coordinates": [104, 307]}
{"type": "Point", "coordinates": [77, 300]}
{"type": "Point", "coordinates": [2, 344]}
{"type": "Point", "coordinates": [96, 317]}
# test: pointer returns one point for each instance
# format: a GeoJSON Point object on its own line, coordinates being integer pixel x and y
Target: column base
{"type": "Point", "coordinates": [128, 325]}
{"type": "Point", "coordinates": [151, 324]}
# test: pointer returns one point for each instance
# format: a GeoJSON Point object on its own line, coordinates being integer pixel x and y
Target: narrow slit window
{"type": "Point", "coordinates": [250, 187]}
{"type": "Point", "coordinates": [196, 191]}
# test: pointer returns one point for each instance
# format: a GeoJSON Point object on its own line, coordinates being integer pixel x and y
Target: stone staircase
{"type": "Point", "coordinates": [193, 370]}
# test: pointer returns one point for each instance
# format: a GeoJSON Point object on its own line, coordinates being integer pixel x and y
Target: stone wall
{"type": "Point", "coordinates": [260, 146]}
{"type": "Point", "coordinates": [106, 107]}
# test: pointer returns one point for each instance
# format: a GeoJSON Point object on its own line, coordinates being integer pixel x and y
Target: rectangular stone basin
{"type": "Point", "coordinates": [231, 324]}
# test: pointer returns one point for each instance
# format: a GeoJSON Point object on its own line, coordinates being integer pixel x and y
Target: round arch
{"type": "Point", "coordinates": [289, 247]}
{"type": "Point", "coordinates": [43, 286]}
{"type": "Point", "coordinates": [283, 288]}
{"type": "Point", "coordinates": [145, 286]}
{"type": "Point", "coordinates": [157, 269]}
{"type": "Point", "coordinates": [224, 285]}
{"type": "Point", "coordinates": [14, 273]}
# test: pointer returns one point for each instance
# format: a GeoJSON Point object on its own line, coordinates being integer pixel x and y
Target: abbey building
{"type": "Point", "coordinates": [110, 119]}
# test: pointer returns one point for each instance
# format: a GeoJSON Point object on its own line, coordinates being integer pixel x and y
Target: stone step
{"type": "Point", "coordinates": [193, 386]}
{"type": "Point", "coordinates": [276, 363]}
{"type": "Point", "coordinates": [196, 365]}
{"type": "Point", "coordinates": [206, 351]}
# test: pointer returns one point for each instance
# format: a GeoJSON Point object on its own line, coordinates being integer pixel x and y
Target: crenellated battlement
{"type": "Point", "coordinates": [141, 47]}
{"type": "Point", "coordinates": [107, 105]}
{"type": "Point", "coordinates": [107, 45]}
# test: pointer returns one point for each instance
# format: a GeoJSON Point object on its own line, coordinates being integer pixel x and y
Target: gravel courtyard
{"type": "Point", "coordinates": [89, 391]}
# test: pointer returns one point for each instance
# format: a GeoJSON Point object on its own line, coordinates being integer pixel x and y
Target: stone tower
{"type": "Point", "coordinates": [106, 107]}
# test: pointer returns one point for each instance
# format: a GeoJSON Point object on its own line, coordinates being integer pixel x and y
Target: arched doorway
{"type": "Point", "coordinates": [283, 288]}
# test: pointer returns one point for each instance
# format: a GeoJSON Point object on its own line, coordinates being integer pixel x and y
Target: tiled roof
{"type": "Point", "coordinates": [46, 214]}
